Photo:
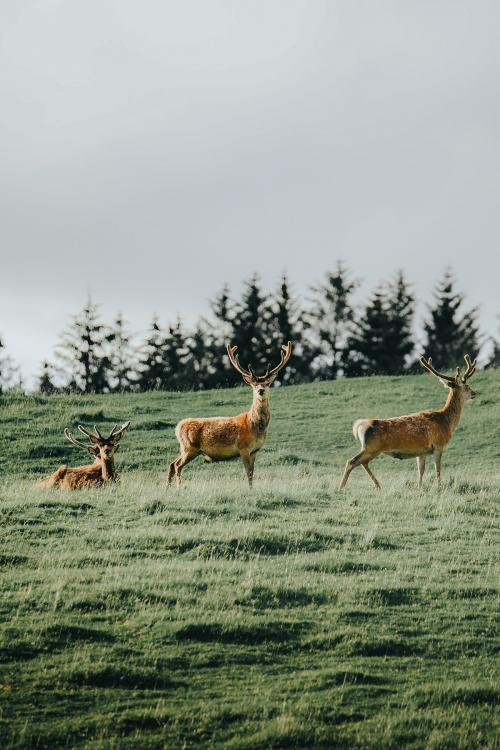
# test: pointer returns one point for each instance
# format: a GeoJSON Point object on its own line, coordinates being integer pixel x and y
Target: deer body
{"type": "Point", "coordinates": [413, 435]}
{"type": "Point", "coordinates": [96, 474]}
{"type": "Point", "coordinates": [224, 438]}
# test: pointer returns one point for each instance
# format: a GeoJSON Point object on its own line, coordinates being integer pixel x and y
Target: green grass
{"type": "Point", "coordinates": [289, 616]}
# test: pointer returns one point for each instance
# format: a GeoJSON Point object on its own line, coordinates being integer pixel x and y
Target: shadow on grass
{"type": "Point", "coordinates": [263, 597]}
{"type": "Point", "coordinates": [111, 677]}
{"type": "Point", "coordinates": [270, 632]}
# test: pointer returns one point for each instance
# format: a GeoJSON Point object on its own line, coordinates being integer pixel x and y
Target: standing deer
{"type": "Point", "coordinates": [101, 471]}
{"type": "Point", "coordinates": [222, 438]}
{"type": "Point", "coordinates": [415, 435]}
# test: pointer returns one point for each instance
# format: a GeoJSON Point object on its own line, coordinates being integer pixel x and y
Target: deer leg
{"type": "Point", "coordinates": [357, 460]}
{"type": "Point", "coordinates": [420, 468]}
{"type": "Point", "coordinates": [248, 462]}
{"type": "Point", "coordinates": [184, 459]}
{"type": "Point", "coordinates": [371, 474]}
{"type": "Point", "coordinates": [437, 463]}
{"type": "Point", "coordinates": [171, 470]}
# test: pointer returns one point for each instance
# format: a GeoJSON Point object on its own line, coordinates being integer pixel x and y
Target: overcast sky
{"type": "Point", "coordinates": [151, 151]}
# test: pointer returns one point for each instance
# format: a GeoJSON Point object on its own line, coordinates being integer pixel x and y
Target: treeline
{"type": "Point", "coordinates": [332, 336]}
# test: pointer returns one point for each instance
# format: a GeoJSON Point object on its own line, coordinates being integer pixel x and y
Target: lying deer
{"type": "Point", "coordinates": [415, 435]}
{"type": "Point", "coordinates": [222, 438]}
{"type": "Point", "coordinates": [102, 470]}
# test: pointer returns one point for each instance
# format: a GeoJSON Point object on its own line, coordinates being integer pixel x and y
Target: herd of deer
{"type": "Point", "coordinates": [220, 438]}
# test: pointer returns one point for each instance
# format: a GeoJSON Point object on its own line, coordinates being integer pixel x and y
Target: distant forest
{"type": "Point", "coordinates": [332, 337]}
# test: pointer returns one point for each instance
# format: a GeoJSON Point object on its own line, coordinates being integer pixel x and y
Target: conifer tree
{"type": "Point", "coordinates": [494, 360]}
{"type": "Point", "coordinates": [9, 372]}
{"type": "Point", "coordinates": [121, 356]}
{"type": "Point", "coordinates": [83, 352]}
{"type": "Point", "coordinates": [150, 370]}
{"type": "Point", "coordinates": [218, 333]}
{"type": "Point", "coordinates": [286, 322]}
{"type": "Point", "coordinates": [330, 317]}
{"type": "Point", "coordinates": [251, 329]}
{"type": "Point", "coordinates": [45, 382]}
{"type": "Point", "coordinates": [204, 359]}
{"type": "Point", "coordinates": [175, 355]}
{"type": "Point", "coordinates": [449, 332]}
{"type": "Point", "coordinates": [381, 339]}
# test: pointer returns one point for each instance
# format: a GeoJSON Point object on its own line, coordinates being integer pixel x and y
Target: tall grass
{"type": "Point", "coordinates": [292, 615]}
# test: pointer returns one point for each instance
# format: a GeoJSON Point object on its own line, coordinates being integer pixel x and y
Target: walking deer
{"type": "Point", "coordinates": [101, 471]}
{"type": "Point", "coordinates": [415, 435]}
{"type": "Point", "coordinates": [223, 438]}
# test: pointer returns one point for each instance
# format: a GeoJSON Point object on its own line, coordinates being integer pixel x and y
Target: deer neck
{"type": "Point", "coordinates": [260, 413]}
{"type": "Point", "coordinates": [108, 470]}
{"type": "Point", "coordinates": [452, 409]}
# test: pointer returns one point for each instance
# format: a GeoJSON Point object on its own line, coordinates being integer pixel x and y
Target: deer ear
{"type": "Point", "coordinates": [93, 450]}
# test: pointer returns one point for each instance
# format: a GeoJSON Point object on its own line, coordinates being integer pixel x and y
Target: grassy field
{"type": "Point", "coordinates": [289, 616]}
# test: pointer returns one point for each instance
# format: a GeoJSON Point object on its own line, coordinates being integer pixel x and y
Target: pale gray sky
{"type": "Point", "coordinates": [152, 150]}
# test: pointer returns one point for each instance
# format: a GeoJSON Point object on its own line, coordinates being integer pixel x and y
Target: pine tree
{"type": "Point", "coordinates": [45, 382]}
{"type": "Point", "coordinates": [151, 371]}
{"type": "Point", "coordinates": [381, 339]}
{"type": "Point", "coordinates": [121, 356]}
{"type": "Point", "coordinates": [9, 373]}
{"type": "Point", "coordinates": [251, 328]}
{"type": "Point", "coordinates": [217, 331]}
{"type": "Point", "coordinates": [175, 355]}
{"type": "Point", "coordinates": [399, 341]}
{"type": "Point", "coordinates": [83, 352]}
{"type": "Point", "coordinates": [286, 322]}
{"type": "Point", "coordinates": [204, 359]}
{"type": "Point", "coordinates": [494, 360]}
{"type": "Point", "coordinates": [449, 333]}
{"type": "Point", "coordinates": [366, 352]}
{"type": "Point", "coordinates": [330, 318]}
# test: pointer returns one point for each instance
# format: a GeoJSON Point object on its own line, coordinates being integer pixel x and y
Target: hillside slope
{"type": "Point", "coordinates": [288, 616]}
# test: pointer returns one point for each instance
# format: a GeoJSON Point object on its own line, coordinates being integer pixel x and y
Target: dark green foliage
{"type": "Point", "coordinates": [286, 322]}
{"type": "Point", "coordinates": [83, 354]}
{"type": "Point", "coordinates": [449, 332]}
{"type": "Point", "coordinates": [121, 376]}
{"type": "Point", "coordinates": [330, 317]}
{"type": "Point", "coordinates": [9, 373]}
{"type": "Point", "coordinates": [150, 366]}
{"type": "Point", "coordinates": [381, 339]}
{"type": "Point", "coordinates": [45, 382]}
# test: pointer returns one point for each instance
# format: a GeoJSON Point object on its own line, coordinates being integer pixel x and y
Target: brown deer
{"type": "Point", "coordinates": [415, 435]}
{"type": "Point", "coordinates": [101, 471]}
{"type": "Point", "coordinates": [222, 438]}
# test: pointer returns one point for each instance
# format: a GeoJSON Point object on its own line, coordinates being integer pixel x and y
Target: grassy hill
{"type": "Point", "coordinates": [292, 615]}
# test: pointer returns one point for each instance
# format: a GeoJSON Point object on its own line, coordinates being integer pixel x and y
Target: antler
{"type": "Point", "coordinates": [427, 363]}
{"type": "Point", "coordinates": [93, 438]}
{"type": "Point", "coordinates": [471, 368]}
{"type": "Point", "coordinates": [286, 353]}
{"type": "Point", "coordinates": [71, 439]}
{"type": "Point", "coordinates": [234, 359]}
{"type": "Point", "coordinates": [116, 434]}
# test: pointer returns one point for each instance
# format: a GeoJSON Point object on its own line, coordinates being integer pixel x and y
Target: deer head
{"type": "Point", "coordinates": [259, 383]}
{"type": "Point", "coordinates": [101, 448]}
{"type": "Point", "coordinates": [457, 382]}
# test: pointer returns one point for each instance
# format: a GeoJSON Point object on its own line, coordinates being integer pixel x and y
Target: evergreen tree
{"type": "Point", "coordinates": [121, 356]}
{"type": "Point", "coordinates": [251, 328]}
{"type": "Point", "coordinates": [399, 340]}
{"type": "Point", "coordinates": [9, 372]}
{"type": "Point", "coordinates": [82, 353]}
{"type": "Point", "coordinates": [381, 339]}
{"type": "Point", "coordinates": [366, 353]}
{"type": "Point", "coordinates": [494, 360]}
{"type": "Point", "coordinates": [330, 319]}
{"type": "Point", "coordinates": [217, 333]}
{"type": "Point", "coordinates": [45, 382]}
{"type": "Point", "coordinates": [205, 359]}
{"type": "Point", "coordinates": [175, 356]}
{"type": "Point", "coordinates": [286, 322]}
{"type": "Point", "coordinates": [151, 374]}
{"type": "Point", "coordinates": [449, 333]}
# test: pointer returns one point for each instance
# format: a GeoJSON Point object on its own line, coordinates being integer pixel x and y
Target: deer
{"type": "Point", "coordinates": [100, 472]}
{"type": "Point", "coordinates": [414, 435]}
{"type": "Point", "coordinates": [223, 438]}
